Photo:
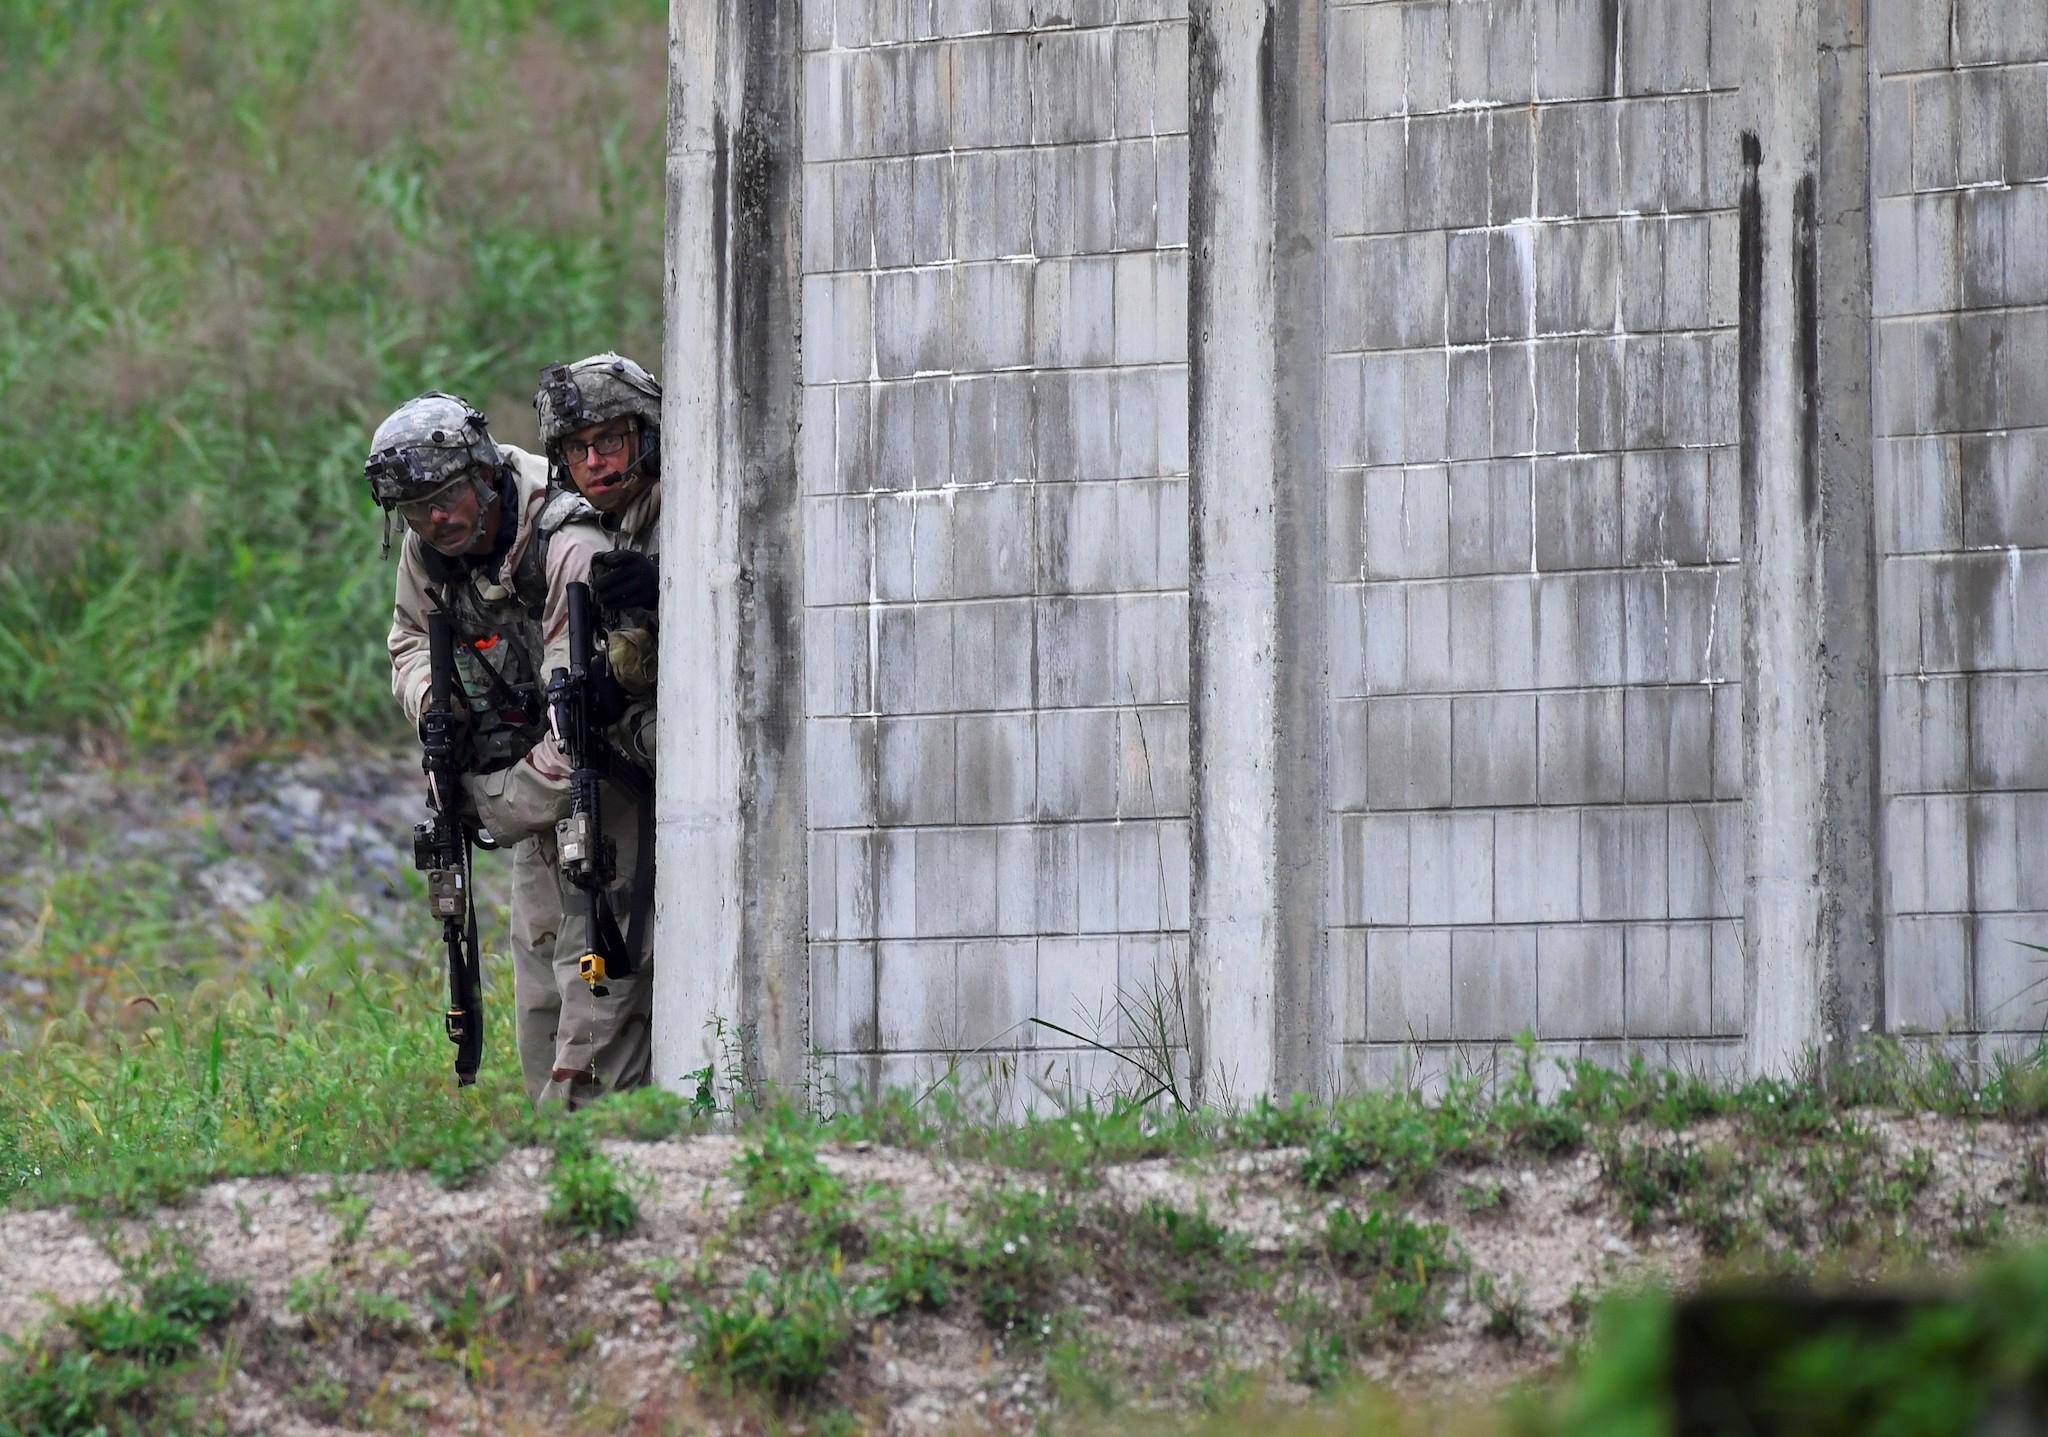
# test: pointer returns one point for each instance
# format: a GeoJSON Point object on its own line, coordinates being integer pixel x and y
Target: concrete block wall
{"type": "Point", "coordinates": [1534, 537]}
{"type": "Point", "coordinates": [1959, 196]}
{"type": "Point", "coordinates": [1543, 591]}
{"type": "Point", "coordinates": [994, 461]}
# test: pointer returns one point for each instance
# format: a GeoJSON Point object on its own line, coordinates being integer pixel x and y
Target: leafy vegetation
{"type": "Point", "coordinates": [780, 1334]}
{"type": "Point", "coordinates": [242, 233]}
{"type": "Point", "coordinates": [589, 1192]}
{"type": "Point", "coordinates": [118, 1364]}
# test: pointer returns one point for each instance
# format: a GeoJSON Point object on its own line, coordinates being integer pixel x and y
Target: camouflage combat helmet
{"type": "Point", "coordinates": [427, 444]}
{"type": "Point", "coordinates": [590, 391]}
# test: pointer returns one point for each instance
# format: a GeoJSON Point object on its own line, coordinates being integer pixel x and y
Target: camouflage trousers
{"type": "Point", "coordinates": [536, 932]}
{"type": "Point", "coordinates": [605, 1041]}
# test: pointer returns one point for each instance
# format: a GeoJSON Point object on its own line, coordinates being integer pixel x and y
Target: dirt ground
{"type": "Point", "coordinates": [576, 1339]}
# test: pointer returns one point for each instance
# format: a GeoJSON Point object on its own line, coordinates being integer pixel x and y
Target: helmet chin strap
{"type": "Point", "coordinates": [486, 500]}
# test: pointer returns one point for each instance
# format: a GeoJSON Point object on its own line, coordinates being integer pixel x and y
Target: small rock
{"type": "Point", "coordinates": [301, 799]}
{"type": "Point", "coordinates": [1615, 1247]}
{"type": "Point", "coordinates": [234, 883]}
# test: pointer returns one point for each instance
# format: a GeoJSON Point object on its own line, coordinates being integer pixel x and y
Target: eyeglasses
{"type": "Point", "coordinates": [573, 450]}
{"type": "Point", "coordinates": [418, 510]}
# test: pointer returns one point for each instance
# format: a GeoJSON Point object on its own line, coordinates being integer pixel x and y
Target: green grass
{"type": "Point", "coordinates": [212, 302]}
{"type": "Point", "coordinates": [590, 1193]}
{"type": "Point", "coordinates": [781, 1334]}
{"type": "Point", "coordinates": [119, 1364]}
{"type": "Point", "coordinates": [302, 1048]}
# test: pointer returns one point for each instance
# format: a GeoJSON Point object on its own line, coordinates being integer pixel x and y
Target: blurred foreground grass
{"type": "Point", "coordinates": [232, 236]}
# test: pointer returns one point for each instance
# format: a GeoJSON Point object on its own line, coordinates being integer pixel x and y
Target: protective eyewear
{"type": "Point", "coordinates": [418, 511]}
{"type": "Point", "coordinates": [574, 450]}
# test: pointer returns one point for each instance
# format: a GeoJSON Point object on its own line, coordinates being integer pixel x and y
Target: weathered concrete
{"type": "Point", "coordinates": [1810, 720]}
{"type": "Point", "coordinates": [1257, 709]}
{"type": "Point", "coordinates": [731, 981]}
{"type": "Point", "coordinates": [1411, 553]}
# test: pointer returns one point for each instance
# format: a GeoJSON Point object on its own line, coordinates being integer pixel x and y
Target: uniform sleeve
{"type": "Point", "coordinates": [569, 554]}
{"type": "Point", "coordinates": [411, 664]}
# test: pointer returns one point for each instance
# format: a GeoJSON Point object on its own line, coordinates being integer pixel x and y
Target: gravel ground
{"type": "Point", "coordinates": [199, 837]}
{"type": "Point", "coordinates": [584, 1314]}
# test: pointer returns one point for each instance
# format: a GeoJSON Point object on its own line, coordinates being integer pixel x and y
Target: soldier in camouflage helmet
{"type": "Point", "coordinates": [494, 547]}
{"type": "Point", "coordinates": [600, 424]}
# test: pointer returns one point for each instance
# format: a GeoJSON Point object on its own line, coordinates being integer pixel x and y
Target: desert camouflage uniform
{"type": "Point", "coordinates": [608, 1040]}
{"type": "Point", "coordinates": [515, 615]}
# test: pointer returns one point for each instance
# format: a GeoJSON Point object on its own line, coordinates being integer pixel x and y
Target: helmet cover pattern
{"type": "Point", "coordinates": [590, 391]}
{"type": "Point", "coordinates": [427, 443]}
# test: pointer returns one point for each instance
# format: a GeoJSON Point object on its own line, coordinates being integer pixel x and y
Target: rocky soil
{"type": "Point", "coordinates": [182, 844]}
{"type": "Point", "coordinates": [576, 1335]}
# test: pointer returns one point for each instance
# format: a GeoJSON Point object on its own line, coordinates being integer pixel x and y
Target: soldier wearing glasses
{"type": "Point", "coordinates": [600, 425]}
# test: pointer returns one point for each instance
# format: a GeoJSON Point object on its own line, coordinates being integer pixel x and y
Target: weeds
{"type": "Point", "coordinates": [1077, 1368]}
{"type": "Point", "coordinates": [920, 1263]}
{"type": "Point", "coordinates": [780, 1334]}
{"type": "Point", "coordinates": [245, 341]}
{"type": "Point", "coordinates": [462, 1325]}
{"type": "Point", "coordinates": [1651, 1178]}
{"type": "Point", "coordinates": [1507, 1309]}
{"type": "Point", "coordinates": [589, 1192]}
{"type": "Point", "coordinates": [1402, 1264]}
{"type": "Point", "coordinates": [321, 1066]}
{"type": "Point", "coordinates": [1193, 1260]}
{"type": "Point", "coordinates": [2032, 1182]}
{"type": "Point", "coordinates": [1014, 1258]}
{"type": "Point", "coordinates": [781, 1168]}
{"type": "Point", "coordinates": [126, 1363]}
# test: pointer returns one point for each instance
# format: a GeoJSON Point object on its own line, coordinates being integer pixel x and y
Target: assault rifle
{"type": "Point", "coordinates": [440, 849]}
{"type": "Point", "coordinates": [588, 857]}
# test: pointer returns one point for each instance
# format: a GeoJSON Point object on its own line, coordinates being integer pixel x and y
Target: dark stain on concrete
{"type": "Point", "coordinates": [1204, 73]}
{"type": "Point", "coordinates": [1749, 320]}
{"type": "Point", "coordinates": [1806, 323]}
{"type": "Point", "coordinates": [1610, 42]}
{"type": "Point", "coordinates": [721, 168]}
{"type": "Point", "coordinates": [757, 179]}
{"type": "Point", "coordinates": [1272, 93]}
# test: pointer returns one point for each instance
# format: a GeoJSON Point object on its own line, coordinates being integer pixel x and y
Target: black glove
{"type": "Point", "coordinates": [623, 579]}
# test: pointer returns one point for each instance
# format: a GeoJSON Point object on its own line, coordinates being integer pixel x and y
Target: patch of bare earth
{"type": "Point", "coordinates": [464, 1310]}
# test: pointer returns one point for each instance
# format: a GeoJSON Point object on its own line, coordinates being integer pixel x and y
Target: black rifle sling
{"type": "Point", "coordinates": [503, 694]}
{"type": "Point", "coordinates": [474, 958]}
{"type": "Point", "coordinates": [631, 779]}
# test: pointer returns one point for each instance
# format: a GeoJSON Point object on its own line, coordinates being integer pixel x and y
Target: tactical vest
{"type": "Point", "coordinates": [499, 649]}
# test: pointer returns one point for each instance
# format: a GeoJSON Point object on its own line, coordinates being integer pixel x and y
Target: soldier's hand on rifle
{"type": "Point", "coordinates": [623, 579]}
{"type": "Point", "coordinates": [461, 736]}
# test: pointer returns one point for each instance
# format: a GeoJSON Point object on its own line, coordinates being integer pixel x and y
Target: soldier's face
{"type": "Point", "coordinates": [446, 518]}
{"type": "Point", "coordinates": [596, 472]}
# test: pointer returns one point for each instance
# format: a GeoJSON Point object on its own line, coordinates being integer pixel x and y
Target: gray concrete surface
{"type": "Point", "coordinates": [1308, 546]}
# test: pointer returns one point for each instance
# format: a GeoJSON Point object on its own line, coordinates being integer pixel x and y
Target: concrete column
{"type": "Point", "coordinates": [1811, 922]}
{"type": "Point", "coordinates": [731, 982]}
{"type": "Point", "coordinates": [1258, 670]}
